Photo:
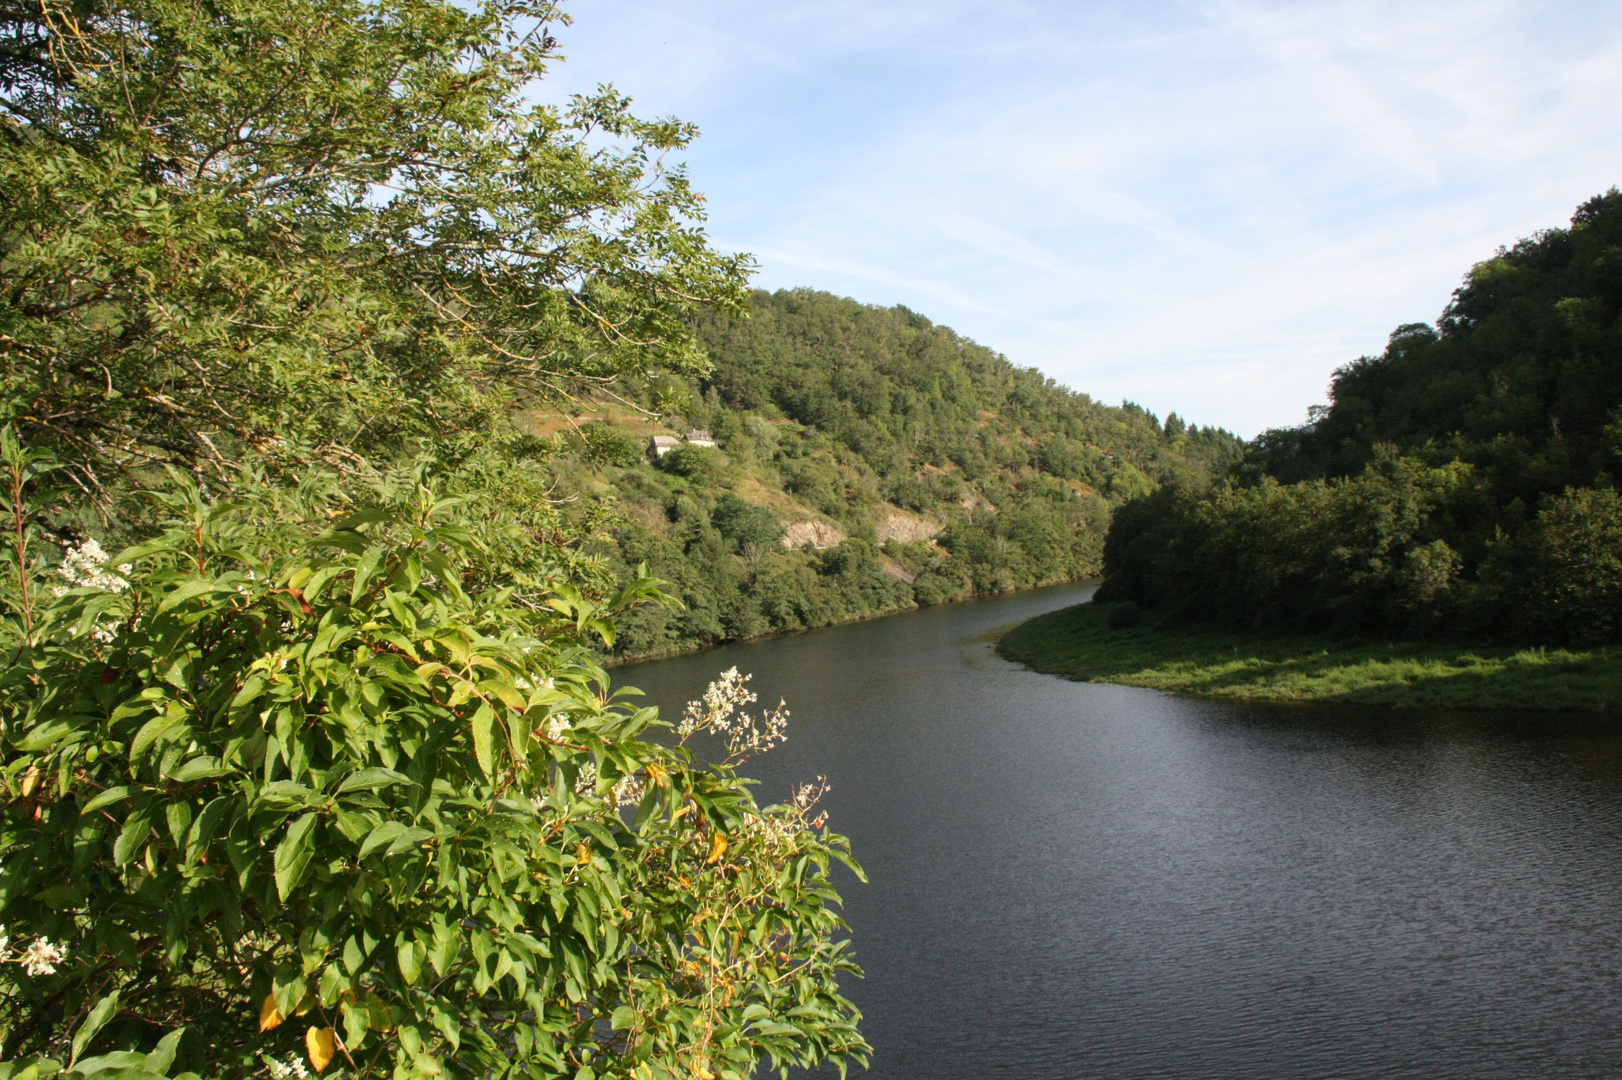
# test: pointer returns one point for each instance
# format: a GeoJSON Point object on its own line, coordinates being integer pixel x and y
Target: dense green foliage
{"type": "Point", "coordinates": [1462, 482]}
{"type": "Point", "coordinates": [298, 791]}
{"type": "Point", "coordinates": [318, 769]}
{"type": "Point", "coordinates": [255, 235]}
{"type": "Point", "coordinates": [936, 468]}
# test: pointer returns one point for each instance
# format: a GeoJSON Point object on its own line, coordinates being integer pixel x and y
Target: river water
{"type": "Point", "coordinates": [1070, 880]}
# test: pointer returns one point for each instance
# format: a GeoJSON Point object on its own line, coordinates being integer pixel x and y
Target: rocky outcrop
{"type": "Point", "coordinates": [894, 523]}
{"type": "Point", "coordinates": [819, 534]}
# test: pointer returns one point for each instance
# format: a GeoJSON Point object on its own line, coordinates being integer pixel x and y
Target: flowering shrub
{"type": "Point", "coordinates": [307, 804]}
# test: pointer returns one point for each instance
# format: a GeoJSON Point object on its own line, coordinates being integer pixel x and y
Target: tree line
{"type": "Point", "coordinates": [1461, 483]}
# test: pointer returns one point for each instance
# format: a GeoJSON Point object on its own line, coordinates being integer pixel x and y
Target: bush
{"type": "Point", "coordinates": [745, 524]}
{"type": "Point", "coordinates": [275, 774]}
{"type": "Point", "coordinates": [1570, 566]}
{"type": "Point", "coordinates": [602, 445]}
{"type": "Point", "coordinates": [700, 463]}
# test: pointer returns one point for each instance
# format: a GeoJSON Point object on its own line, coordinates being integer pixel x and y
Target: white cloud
{"type": "Point", "coordinates": [1203, 207]}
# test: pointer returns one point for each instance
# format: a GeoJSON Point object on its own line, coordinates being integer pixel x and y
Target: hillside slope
{"type": "Point", "coordinates": [867, 460]}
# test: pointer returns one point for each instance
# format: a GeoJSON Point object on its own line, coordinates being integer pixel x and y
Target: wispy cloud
{"type": "Point", "coordinates": [1205, 207]}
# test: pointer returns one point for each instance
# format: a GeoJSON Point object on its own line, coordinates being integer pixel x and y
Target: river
{"type": "Point", "coordinates": [1073, 880]}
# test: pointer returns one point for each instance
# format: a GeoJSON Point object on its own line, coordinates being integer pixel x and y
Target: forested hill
{"type": "Point", "coordinates": [867, 460]}
{"type": "Point", "coordinates": [1464, 482]}
{"type": "Point", "coordinates": [1521, 376]}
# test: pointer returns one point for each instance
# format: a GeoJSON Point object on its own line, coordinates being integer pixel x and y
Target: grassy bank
{"type": "Point", "coordinates": [1079, 643]}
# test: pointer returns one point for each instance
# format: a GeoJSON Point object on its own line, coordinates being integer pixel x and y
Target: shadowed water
{"type": "Point", "coordinates": [1070, 880]}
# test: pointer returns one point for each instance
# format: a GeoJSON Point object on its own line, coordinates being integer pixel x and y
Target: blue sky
{"type": "Point", "coordinates": [1204, 207]}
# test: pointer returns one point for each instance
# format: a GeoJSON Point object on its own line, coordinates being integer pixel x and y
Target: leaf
{"type": "Point", "coordinates": [718, 848]}
{"type": "Point", "coordinates": [321, 1045]}
{"type": "Point", "coordinates": [199, 768]}
{"type": "Point", "coordinates": [130, 838]}
{"type": "Point", "coordinates": [506, 693]}
{"type": "Point", "coordinates": [373, 780]}
{"type": "Point", "coordinates": [385, 833]}
{"type": "Point", "coordinates": [293, 854]}
{"type": "Point", "coordinates": [409, 839]}
{"type": "Point", "coordinates": [284, 795]}
{"type": "Point", "coordinates": [600, 831]}
{"type": "Point", "coordinates": [163, 1055]}
{"type": "Point", "coordinates": [193, 588]}
{"type": "Point", "coordinates": [364, 573]}
{"type": "Point", "coordinates": [270, 1017]}
{"type": "Point", "coordinates": [178, 815]}
{"type": "Point", "coordinates": [484, 742]}
{"type": "Point", "coordinates": [47, 735]}
{"type": "Point", "coordinates": [409, 955]}
{"type": "Point", "coordinates": [204, 828]}
{"type": "Point", "coordinates": [104, 1010]}
{"type": "Point", "coordinates": [153, 730]}
{"type": "Point", "coordinates": [106, 798]}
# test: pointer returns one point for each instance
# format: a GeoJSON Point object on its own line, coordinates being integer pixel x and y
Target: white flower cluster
{"type": "Point", "coordinates": [777, 831]}
{"type": "Point", "coordinates": [85, 567]}
{"type": "Point", "coordinates": [39, 958]}
{"type": "Point", "coordinates": [808, 795]}
{"type": "Point", "coordinates": [628, 792]}
{"type": "Point", "coordinates": [721, 713]}
{"type": "Point", "coordinates": [285, 1070]}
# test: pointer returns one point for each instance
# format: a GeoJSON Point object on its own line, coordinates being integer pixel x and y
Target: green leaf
{"type": "Point", "coordinates": [364, 573]}
{"type": "Point", "coordinates": [484, 742]}
{"type": "Point", "coordinates": [204, 828]}
{"type": "Point", "coordinates": [409, 956]}
{"type": "Point", "coordinates": [178, 816]}
{"type": "Point", "coordinates": [103, 1011]}
{"type": "Point", "coordinates": [408, 840]}
{"type": "Point", "coordinates": [106, 798]}
{"type": "Point", "coordinates": [190, 590]}
{"type": "Point", "coordinates": [285, 795]}
{"type": "Point", "coordinates": [163, 1055]}
{"type": "Point", "coordinates": [373, 780]}
{"type": "Point", "coordinates": [154, 729]}
{"type": "Point", "coordinates": [199, 768]}
{"type": "Point", "coordinates": [385, 833]}
{"type": "Point", "coordinates": [293, 854]}
{"type": "Point", "coordinates": [130, 838]}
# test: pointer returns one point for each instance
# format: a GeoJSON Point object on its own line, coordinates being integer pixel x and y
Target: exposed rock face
{"type": "Point", "coordinates": [894, 523]}
{"type": "Point", "coordinates": [819, 534]}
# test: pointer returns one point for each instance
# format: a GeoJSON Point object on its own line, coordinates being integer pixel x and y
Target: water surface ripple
{"type": "Point", "coordinates": [1071, 880]}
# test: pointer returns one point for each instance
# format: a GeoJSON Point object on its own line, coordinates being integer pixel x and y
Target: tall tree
{"type": "Point", "coordinates": [284, 232]}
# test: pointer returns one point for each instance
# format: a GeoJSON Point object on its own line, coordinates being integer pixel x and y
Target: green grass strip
{"type": "Point", "coordinates": [1078, 643]}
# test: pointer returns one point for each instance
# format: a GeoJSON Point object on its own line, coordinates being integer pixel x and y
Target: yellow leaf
{"type": "Point", "coordinates": [582, 854]}
{"type": "Point", "coordinates": [657, 773]}
{"type": "Point", "coordinates": [321, 1044]}
{"type": "Point", "coordinates": [718, 848]}
{"type": "Point", "coordinates": [269, 1015]}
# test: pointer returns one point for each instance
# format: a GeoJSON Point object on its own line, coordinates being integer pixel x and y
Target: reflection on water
{"type": "Point", "coordinates": [1075, 881]}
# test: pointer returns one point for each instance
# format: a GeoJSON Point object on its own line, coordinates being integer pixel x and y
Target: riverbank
{"type": "Point", "coordinates": [1079, 643]}
{"type": "Point", "coordinates": [613, 660]}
